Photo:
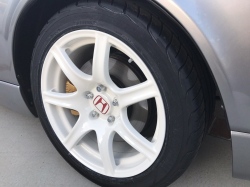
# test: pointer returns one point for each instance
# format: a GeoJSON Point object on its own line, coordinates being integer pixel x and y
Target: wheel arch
{"type": "Point", "coordinates": [212, 25]}
{"type": "Point", "coordinates": [28, 26]}
{"type": "Point", "coordinates": [205, 49]}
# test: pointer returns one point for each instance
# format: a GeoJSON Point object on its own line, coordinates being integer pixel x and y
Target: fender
{"type": "Point", "coordinates": [9, 14]}
{"type": "Point", "coordinates": [9, 87]}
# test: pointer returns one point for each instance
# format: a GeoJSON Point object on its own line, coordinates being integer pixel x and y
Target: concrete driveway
{"type": "Point", "coordinates": [27, 158]}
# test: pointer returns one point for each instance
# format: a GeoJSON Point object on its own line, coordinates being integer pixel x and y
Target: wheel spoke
{"type": "Point", "coordinates": [134, 94]}
{"type": "Point", "coordinates": [65, 100]}
{"type": "Point", "coordinates": [81, 128]}
{"type": "Point", "coordinates": [101, 60]}
{"type": "Point", "coordinates": [75, 75]}
{"type": "Point", "coordinates": [105, 143]}
{"type": "Point", "coordinates": [134, 138]}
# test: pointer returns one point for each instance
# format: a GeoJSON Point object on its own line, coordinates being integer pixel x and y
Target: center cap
{"type": "Point", "coordinates": [102, 104]}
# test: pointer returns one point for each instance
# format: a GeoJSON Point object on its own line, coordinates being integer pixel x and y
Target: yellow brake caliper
{"type": "Point", "coordinates": [70, 88]}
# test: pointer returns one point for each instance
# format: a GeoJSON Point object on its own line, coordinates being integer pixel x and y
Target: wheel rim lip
{"type": "Point", "coordinates": [86, 37]}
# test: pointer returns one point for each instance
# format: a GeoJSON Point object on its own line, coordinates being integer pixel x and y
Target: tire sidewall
{"type": "Point", "coordinates": [139, 40]}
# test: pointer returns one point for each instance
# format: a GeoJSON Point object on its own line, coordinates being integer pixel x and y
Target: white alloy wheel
{"type": "Point", "coordinates": [107, 119]}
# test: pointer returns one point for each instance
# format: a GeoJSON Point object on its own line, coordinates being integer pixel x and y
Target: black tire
{"type": "Point", "coordinates": [185, 84]}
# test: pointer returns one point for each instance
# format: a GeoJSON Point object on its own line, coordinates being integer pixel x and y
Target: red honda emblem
{"type": "Point", "coordinates": [101, 104]}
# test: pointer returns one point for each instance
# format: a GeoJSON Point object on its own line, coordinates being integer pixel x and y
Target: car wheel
{"type": "Point", "coordinates": [123, 104]}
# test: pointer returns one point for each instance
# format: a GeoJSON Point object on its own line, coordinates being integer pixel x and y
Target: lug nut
{"type": "Point", "coordinates": [94, 114]}
{"type": "Point", "coordinates": [89, 95]}
{"type": "Point", "coordinates": [111, 119]}
{"type": "Point", "coordinates": [115, 102]}
{"type": "Point", "coordinates": [101, 88]}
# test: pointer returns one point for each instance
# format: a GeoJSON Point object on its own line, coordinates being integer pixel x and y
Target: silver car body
{"type": "Point", "coordinates": [221, 30]}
